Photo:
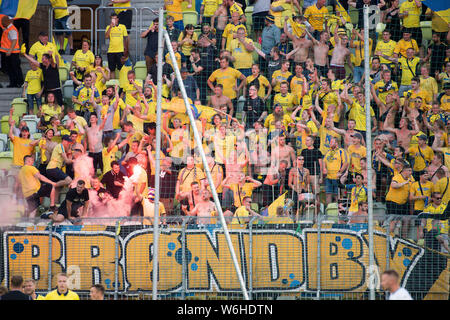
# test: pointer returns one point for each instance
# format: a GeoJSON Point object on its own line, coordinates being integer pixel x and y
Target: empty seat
{"type": "Point", "coordinates": [6, 158]}
{"type": "Point", "coordinates": [190, 17]}
{"type": "Point", "coordinates": [140, 69]}
{"type": "Point", "coordinates": [20, 106]}
{"type": "Point", "coordinates": [332, 212]}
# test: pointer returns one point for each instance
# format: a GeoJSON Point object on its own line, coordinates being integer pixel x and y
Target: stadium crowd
{"type": "Point", "coordinates": [279, 106]}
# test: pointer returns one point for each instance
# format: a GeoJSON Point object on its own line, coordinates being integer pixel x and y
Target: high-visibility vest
{"type": "Point", "coordinates": [5, 43]}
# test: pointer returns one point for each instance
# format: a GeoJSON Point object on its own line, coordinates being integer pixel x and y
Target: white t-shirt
{"type": "Point", "coordinates": [400, 294]}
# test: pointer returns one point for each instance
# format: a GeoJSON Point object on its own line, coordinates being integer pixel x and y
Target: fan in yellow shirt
{"type": "Point", "coordinates": [227, 76]}
{"type": "Point", "coordinates": [62, 292]}
{"type": "Point", "coordinates": [241, 51]}
{"type": "Point", "coordinates": [173, 8]}
{"type": "Point", "coordinates": [230, 31]}
{"type": "Point", "coordinates": [281, 75]}
{"type": "Point", "coordinates": [316, 14]}
{"type": "Point", "coordinates": [83, 60]}
{"type": "Point", "coordinates": [284, 98]}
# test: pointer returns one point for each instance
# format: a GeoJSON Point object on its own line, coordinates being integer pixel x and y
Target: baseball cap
{"type": "Point", "coordinates": [422, 137]}
{"type": "Point", "coordinates": [271, 18]}
{"type": "Point", "coordinates": [66, 138]}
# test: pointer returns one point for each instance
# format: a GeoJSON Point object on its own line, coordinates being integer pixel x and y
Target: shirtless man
{"type": "Point", "coordinates": [320, 50]}
{"type": "Point", "coordinates": [341, 54]}
{"type": "Point", "coordinates": [436, 164]}
{"type": "Point", "coordinates": [222, 19]}
{"type": "Point", "coordinates": [347, 133]}
{"type": "Point", "coordinates": [301, 46]}
{"type": "Point", "coordinates": [94, 138]}
{"type": "Point", "coordinates": [218, 99]}
{"type": "Point", "coordinates": [403, 134]}
{"type": "Point", "coordinates": [283, 152]}
{"type": "Point", "coordinates": [203, 209]}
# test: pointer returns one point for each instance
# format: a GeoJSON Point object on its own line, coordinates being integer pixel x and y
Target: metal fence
{"type": "Point", "coordinates": [305, 259]}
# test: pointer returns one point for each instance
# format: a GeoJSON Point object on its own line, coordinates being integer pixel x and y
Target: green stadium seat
{"type": "Point", "coordinates": [140, 68]}
{"type": "Point", "coordinates": [190, 17]}
{"type": "Point", "coordinates": [20, 106]}
{"type": "Point", "coordinates": [332, 212]}
{"type": "Point", "coordinates": [68, 89]}
{"type": "Point", "coordinates": [426, 31]}
{"type": "Point", "coordinates": [3, 141]}
{"type": "Point", "coordinates": [112, 82]}
{"type": "Point", "coordinates": [249, 16]}
{"type": "Point", "coordinates": [254, 53]}
{"type": "Point", "coordinates": [353, 13]}
{"type": "Point", "coordinates": [63, 73]}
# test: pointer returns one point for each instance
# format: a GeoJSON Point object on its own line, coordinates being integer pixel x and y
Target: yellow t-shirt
{"type": "Point", "coordinates": [333, 161]}
{"type": "Point", "coordinates": [228, 79]}
{"type": "Point", "coordinates": [187, 176]}
{"type": "Point", "coordinates": [240, 192]}
{"type": "Point", "coordinates": [56, 160]}
{"type": "Point", "coordinates": [30, 184]}
{"type": "Point", "coordinates": [54, 295]}
{"type": "Point", "coordinates": [186, 47]}
{"type": "Point", "coordinates": [408, 69]}
{"type": "Point", "coordinates": [210, 7]}
{"type": "Point", "coordinates": [223, 147]}
{"type": "Point", "coordinates": [386, 48]}
{"type": "Point", "coordinates": [399, 195]}
{"type": "Point", "coordinates": [228, 32]}
{"type": "Point", "coordinates": [21, 148]}
{"type": "Point", "coordinates": [403, 45]}
{"type": "Point", "coordinates": [316, 17]}
{"type": "Point", "coordinates": [287, 102]}
{"type": "Point", "coordinates": [49, 112]}
{"type": "Point", "coordinates": [325, 137]}
{"type": "Point", "coordinates": [358, 56]}
{"type": "Point", "coordinates": [270, 122]}
{"type": "Point", "coordinates": [416, 190]}
{"type": "Point", "coordinates": [384, 89]}
{"type": "Point", "coordinates": [443, 224]}
{"type": "Point", "coordinates": [244, 58]}
{"type": "Point", "coordinates": [116, 117]}
{"type": "Point", "coordinates": [59, 13]}
{"type": "Point", "coordinates": [355, 155]}
{"type": "Point", "coordinates": [116, 37]}
{"type": "Point", "coordinates": [173, 8]}
{"type": "Point", "coordinates": [239, 214]}
{"type": "Point", "coordinates": [358, 113]}
{"type": "Point", "coordinates": [129, 89]}
{"type": "Point", "coordinates": [440, 187]}
{"type": "Point", "coordinates": [357, 195]}
{"type": "Point", "coordinates": [84, 60]}
{"type": "Point", "coordinates": [38, 49]}
{"type": "Point", "coordinates": [34, 78]}
{"type": "Point", "coordinates": [108, 157]}
{"type": "Point", "coordinates": [296, 86]}
{"type": "Point", "coordinates": [429, 85]}
{"type": "Point", "coordinates": [280, 76]}
{"type": "Point", "coordinates": [126, 4]}
{"type": "Point", "coordinates": [412, 20]}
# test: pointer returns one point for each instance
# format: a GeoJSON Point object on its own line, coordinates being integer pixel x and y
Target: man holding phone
{"type": "Point", "coordinates": [118, 44]}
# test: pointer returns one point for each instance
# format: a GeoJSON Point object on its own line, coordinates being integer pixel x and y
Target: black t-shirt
{"type": "Point", "coordinates": [15, 295]}
{"type": "Point", "coordinates": [108, 181]}
{"type": "Point", "coordinates": [201, 76]}
{"type": "Point", "coordinates": [208, 56]}
{"type": "Point", "coordinates": [360, 7]}
{"type": "Point", "coordinates": [77, 198]}
{"type": "Point", "coordinates": [190, 85]}
{"type": "Point", "coordinates": [152, 44]}
{"type": "Point", "coordinates": [253, 109]}
{"type": "Point", "coordinates": [437, 56]}
{"type": "Point", "coordinates": [312, 157]}
{"type": "Point", "coordinates": [51, 77]}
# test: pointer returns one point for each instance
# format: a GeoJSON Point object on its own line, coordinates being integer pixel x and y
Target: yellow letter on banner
{"type": "Point", "coordinates": [28, 254]}
{"type": "Point", "coordinates": [341, 267]}
{"type": "Point", "coordinates": [139, 264]}
{"type": "Point", "coordinates": [94, 255]}
{"type": "Point", "coordinates": [277, 260]}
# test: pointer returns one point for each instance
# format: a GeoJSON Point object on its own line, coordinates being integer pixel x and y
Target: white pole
{"type": "Point", "coordinates": [369, 149]}
{"type": "Point", "coordinates": [157, 155]}
{"type": "Point", "coordinates": [205, 165]}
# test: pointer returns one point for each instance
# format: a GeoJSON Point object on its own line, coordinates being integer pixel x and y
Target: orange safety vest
{"type": "Point", "coordinates": [5, 43]}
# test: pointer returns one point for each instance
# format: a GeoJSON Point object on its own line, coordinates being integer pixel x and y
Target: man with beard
{"type": "Point", "coordinates": [114, 180]}
{"type": "Point", "coordinates": [277, 115]}
{"type": "Point", "coordinates": [437, 50]}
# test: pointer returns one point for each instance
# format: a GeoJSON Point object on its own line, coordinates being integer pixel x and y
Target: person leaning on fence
{"type": "Point", "coordinates": [15, 292]}
{"type": "Point", "coordinates": [62, 291]}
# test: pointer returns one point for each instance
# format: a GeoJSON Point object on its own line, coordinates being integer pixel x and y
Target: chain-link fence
{"type": "Point", "coordinates": [279, 259]}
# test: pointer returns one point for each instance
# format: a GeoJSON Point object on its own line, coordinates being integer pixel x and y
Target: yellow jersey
{"type": "Point", "coordinates": [34, 79]}
{"type": "Point", "coordinates": [421, 190]}
{"type": "Point", "coordinates": [334, 160]}
{"type": "Point", "coordinates": [116, 36]}
{"type": "Point", "coordinates": [59, 13]}
{"type": "Point", "coordinates": [403, 45]}
{"type": "Point", "coordinates": [244, 58]}
{"type": "Point", "coordinates": [325, 137]}
{"type": "Point", "coordinates": [280, 76]}
{"type": "Point", "coordinates": [38, 49]}
{"type": "Point", "coordinates": [228, 79]}
{"type": "Point", "coordinates": [263, 84]}
{"type": "Point", "coordinates": [173, 8]}
{"type": "Point", "coordinates": [21, 148]}
{"type": "Point", "coordinates": [399, 195]}
{"type": "Point", "coordinates": [186, 48]}
{"type": "Point", "coordinates": [84, 60]}
{"type": "Point", "coordinates": [412, 20]}
{"type": "Point", "coordinates": [55, 295]}
{"type": "Point", "coordinates": [383, 89]}
{"type": "Point", "coordinates": [286, 101]}
{"type": "Point", "coordinates": [409, 70]}
{"type": "Point", "coordinates": [126, 4]}
{"type": "Point", "coordinates": [443, 224]}
{"type": "Point", "coordinates": [316, 16]}
{"type": "Point", "coordinates": [356, 154]}
{"type": "Point", "coordinates": [229, 31]}
{"type": "Point", "coordinates": [30, 184]}
{"type": "Point", "coordinates": [443, 187]}
{"type": "Point", "coordinates": [357, 195]}
{"type": "Point", "coordinates": [386, 48]}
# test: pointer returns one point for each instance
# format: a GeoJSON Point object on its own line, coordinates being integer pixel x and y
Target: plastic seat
{"type": "Point", "coordinates": [31, 124]}
{"type": "Point", "coordinates": [20, 106]}
{"type": "Point", "coordinates": [68, 89]}
{"type": "Point", "coordinates": [140, 69]}
{"type": "Point", "coordinates": [254, 53]}
{"type": "Point", "coordinates": [112, 82]}
{"type": "Point", "coordinates": [3, 141]}
{"type": "Point", "coordinates": [332, 212]}
{"type": "Point", "coordinates": [426, 31]}
{"type": "Point", "coordinates": [190, 17]}
{"type": "Point", "coordinates": [37, 136]}
{"type": "Point", "coordinates": [63, 73]}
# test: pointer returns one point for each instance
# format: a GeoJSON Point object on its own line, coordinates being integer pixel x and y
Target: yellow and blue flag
{"type": "Point", "coordinates": [24, 9]}
{"type": "Point", "coordinates": [271, 210]}
{"type": "Point", "coordinates": [440, 7]}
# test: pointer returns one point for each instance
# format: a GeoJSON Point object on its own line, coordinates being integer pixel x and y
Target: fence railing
{"type": "Point", "coordinates": [307, 259]}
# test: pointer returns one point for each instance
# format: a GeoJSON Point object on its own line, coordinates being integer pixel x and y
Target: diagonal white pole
{"type": "Point", "coordinates": [369, 150]}
{"type": "Point", "coordinates": [205, 165]}
{"type": "Point", "coordinates": [157, 156]}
